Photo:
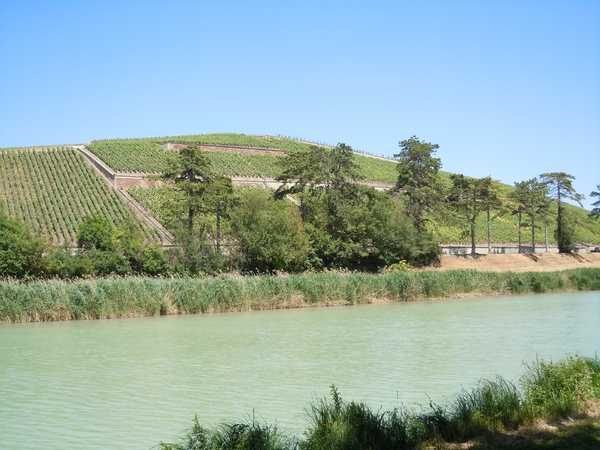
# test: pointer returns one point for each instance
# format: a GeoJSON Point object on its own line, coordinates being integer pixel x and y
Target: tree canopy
{"type": "Point", "coordinates": [470, 197]}
{"type": "Point", "coordinates": [595, 212]}
{"type": "Point", "coordinates": [418, 179]}
{"type": "Point", "coordinates": [560, 187]}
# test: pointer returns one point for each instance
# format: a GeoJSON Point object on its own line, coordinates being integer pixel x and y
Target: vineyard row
{"type": "Point", "coordinates": [53, 189]}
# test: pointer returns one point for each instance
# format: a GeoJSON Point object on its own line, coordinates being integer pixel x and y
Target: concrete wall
{"type": "Point", "coordinates": [506, 249]}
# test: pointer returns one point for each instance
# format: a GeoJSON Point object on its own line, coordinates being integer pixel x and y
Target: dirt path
{"type": "Point", "coordinates": [539, 262]}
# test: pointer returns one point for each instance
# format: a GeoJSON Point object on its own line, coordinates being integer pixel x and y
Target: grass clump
{"type": "Point", "coordinates": [233, 436]}
{"type": "Point", "coordinates": [484, 417]}
{"type": "Point", "coordinates": [559, 389]}
{"type": "Point", "coordinates": [336, 424]}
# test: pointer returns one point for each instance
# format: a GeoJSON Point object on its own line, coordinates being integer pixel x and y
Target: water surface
{"type": "Point", "coordinates": [131, 383]}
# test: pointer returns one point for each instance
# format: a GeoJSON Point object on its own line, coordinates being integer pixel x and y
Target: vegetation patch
{"type": "Point", "coordinates": [103, 298]}
{"type": "Point", "coordinates": [494, 415]}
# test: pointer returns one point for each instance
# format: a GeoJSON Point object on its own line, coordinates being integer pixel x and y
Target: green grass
{"type": "Point", "coordinates": [557, 389]}
{"type": "Point", "coordinates": [139, 296]}
{"type": "Point", "coordinates": [253, 435]}
{"type": "Point", "coordinates": [485, 417]}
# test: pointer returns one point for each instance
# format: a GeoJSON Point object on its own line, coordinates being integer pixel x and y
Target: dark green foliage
{"type": "Point", "coordinates": [560, 186]}
{"type": "Point", "coordinates": [317, 168]}
{"type": "Point", "coordinates": [95, 233]}
{"type": "Point", "coordinates": [595, 212]}
{"type": "Point", "coordinates": [191, 171]}
{"type": "Point", "coordinates": [21, 253]}
{"type": "Point", "coordinates": [418, 178]}
{"type": "Point", "coordinates": [103, 250]}
{"type": "Point", "coordinates": [470, 197]}
{"type": "Point", "coordinates": [529, 201]}
{"type": "Point", "coordinates": [351, 226]}
{"type": "Point", "coordinates": [269, 235]}
{"type": "Point", "coordinates": [233, 436]}
{"type": "Point", "coordinates": [154, 261]}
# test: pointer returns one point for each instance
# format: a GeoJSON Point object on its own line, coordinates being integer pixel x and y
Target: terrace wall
{"type": "Point", "coordinates": [224, 148]}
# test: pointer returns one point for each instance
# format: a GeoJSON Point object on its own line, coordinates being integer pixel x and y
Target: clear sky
{"type": "Point", "coordinates": [507, 88]}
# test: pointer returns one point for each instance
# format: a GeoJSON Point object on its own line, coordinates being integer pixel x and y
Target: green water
{"type": "Point", "coordinates": [130, 383]}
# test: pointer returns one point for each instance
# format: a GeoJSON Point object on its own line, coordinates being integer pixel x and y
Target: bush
{"type": "Point", "coordinates": [233, 436]}
{"type": "Point", "coordinates": [558, 389]}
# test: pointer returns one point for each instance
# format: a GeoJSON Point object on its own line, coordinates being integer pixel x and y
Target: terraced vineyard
{"type": "Point", "coordinates": [53, 189]}
{"type": "Point", "coordinates": [146, 156]}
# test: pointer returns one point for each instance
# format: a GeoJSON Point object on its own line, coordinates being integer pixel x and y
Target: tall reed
{"type": "Point", "coordinates": [22, 301]}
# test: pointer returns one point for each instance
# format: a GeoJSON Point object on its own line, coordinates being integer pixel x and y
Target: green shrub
{"type": "Point", "coordinates": [558, 389]}
{"type": "Point", "coordinates": [233, 436]}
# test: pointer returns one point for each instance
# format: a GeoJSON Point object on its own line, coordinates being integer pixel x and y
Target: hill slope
{"type": "Point", "coordinates": [52, 189]}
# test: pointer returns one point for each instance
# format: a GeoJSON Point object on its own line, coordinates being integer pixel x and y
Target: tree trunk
{"type": "Point", "coordinates": [473, 248]}
{"type": "Point", "coordinates": [219, 226]}
{"type": "Point", "coordinates": [190, 219]}
{"type": "Point", "coordinates": [519, 228]}
{"type": "Point", "coordinates": [546, 231]}
{"type": "Point", "coordinates": [533, 234]}
{"type": "Point", "coordinates": [489, 224]}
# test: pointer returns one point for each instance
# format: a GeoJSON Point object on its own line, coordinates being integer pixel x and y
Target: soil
{"type": "Point", "coordinates": [525, 262]}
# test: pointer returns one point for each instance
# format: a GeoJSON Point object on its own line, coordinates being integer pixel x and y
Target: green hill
{"type": "Point", "coordinates": [52, 189]}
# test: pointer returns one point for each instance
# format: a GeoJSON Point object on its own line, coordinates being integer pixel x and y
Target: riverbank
{"type": "Point", "coordinates": [524, 262]}
{"type": "Point", "coordinates": [138, 296]}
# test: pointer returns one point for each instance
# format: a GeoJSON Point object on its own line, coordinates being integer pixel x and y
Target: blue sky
{"type": "Point", "coordinates": [507, 88]}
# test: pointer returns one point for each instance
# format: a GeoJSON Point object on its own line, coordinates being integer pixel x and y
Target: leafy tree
{"type": "Point", "coordinates": [106, 248]}
{"type": "Point", "coordinates": [95, 232]}
{"type": "Point", "coordinates": [21, 252]}
{"type": "Point", "coordinates": [470, 197]}
{"type": "Point", "coordinates": [202, 192]}
{"type": "Point", "coordinates": [531, 199]}
{"type": "Point", "coordinates": [305, 172]}
{"type": "Point", "coordinates": [343, 168]}
{"type": "Point", "coordinates": [418, 177]}
{"type": "Point", "coordinates": [129, 240]}
{"type": "Point", "coordinates": [595, 212]}
{"type": "Point", "coordinates": [155, 261]}
{"type": "Point", "coordinates": [493, 201]}
{"type": "Point", "coordinates": [358, 227]}
{"type": "Point", "coordinates": [269, 234]}
{"type": "Point", "coordinates": [191, 172]}
{"type": "Point", "coordinates": [217, 198]}
{"type": "Point", "coordinates": [560, 187]}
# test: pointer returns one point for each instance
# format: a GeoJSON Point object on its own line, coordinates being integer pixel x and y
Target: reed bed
{"type": "Point", "coordinates": [52, 300]}
{"type": "Point", "coordinates": [493, 406]}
